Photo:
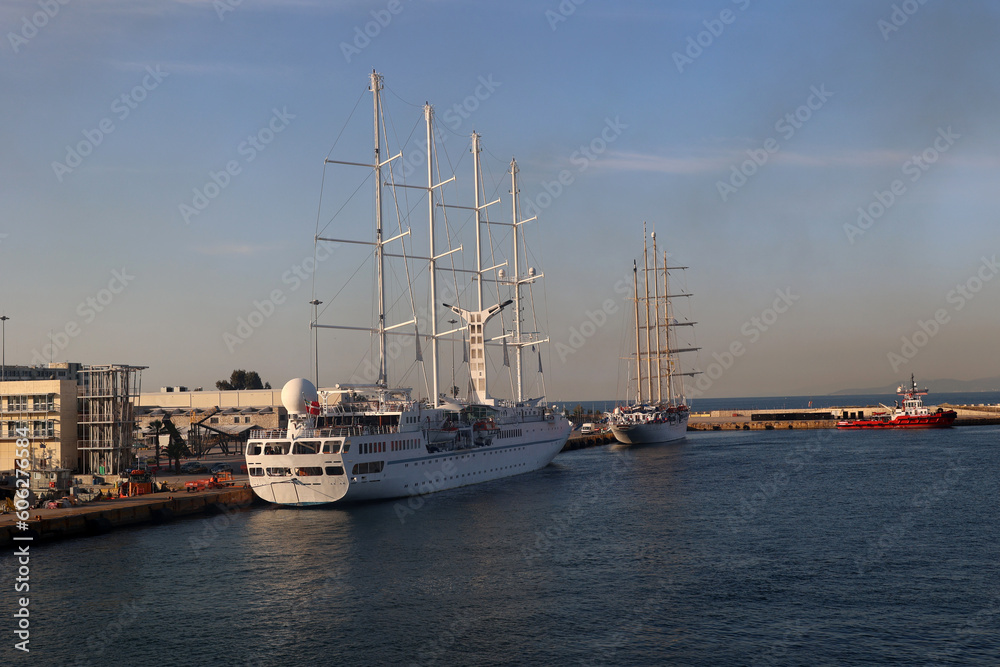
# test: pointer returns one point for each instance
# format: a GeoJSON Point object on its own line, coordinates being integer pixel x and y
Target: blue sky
{"type": "Point", "coordinates": [833, 99]}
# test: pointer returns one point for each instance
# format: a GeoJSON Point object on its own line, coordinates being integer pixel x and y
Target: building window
{"type": "Point", "coordinates": [42, 403]}
{"type": "Point", "coordinates": [17, 403]}
{"type": "Point", "coordinates": [213, 420]}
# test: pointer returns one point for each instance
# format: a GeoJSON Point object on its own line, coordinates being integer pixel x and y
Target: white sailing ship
{"type": "Point", "coordinates": [658, 412]}
{"type": "Point", "coordinates": [362, 442]}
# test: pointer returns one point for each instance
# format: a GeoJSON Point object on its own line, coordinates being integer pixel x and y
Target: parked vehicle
{"type": "Point", "coordinates": [222, 467]}
{"type": "Point", "coordinates": [193, 468]}
{"type": "Point", "coordinates": [587, 429]}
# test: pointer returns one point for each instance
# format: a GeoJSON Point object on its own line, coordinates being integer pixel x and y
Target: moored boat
{"type": "Point", "coordinates": [658, 413]}
{"type": "Point", "coordinates": [371, 441]}
{"type": "Point", "coordinates": [911, 414]}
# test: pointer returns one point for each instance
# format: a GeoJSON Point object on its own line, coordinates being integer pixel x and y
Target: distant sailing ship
{"type": "Point", "coordinates": [658, 413]}
{"type": "Point", "coordinates": [912, 414]}
{"type": "Point", "coordinates": [362, 442]}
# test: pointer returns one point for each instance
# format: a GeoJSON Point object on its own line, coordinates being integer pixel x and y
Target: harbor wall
{"type": "Point", "coordinates": [105, 516]}
{"type": "Point", "coordinates": [752, 420]}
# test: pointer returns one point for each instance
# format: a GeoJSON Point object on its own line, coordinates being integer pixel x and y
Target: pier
{"type": "Point", "coordinates": [812, 418]}
{"type": "Point", "coordinates": [98, 517]}
{"type": "Point", "coordinates": [578, 441]}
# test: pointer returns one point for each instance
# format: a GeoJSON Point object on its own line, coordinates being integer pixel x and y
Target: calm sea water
{"type": "Point", "coordinates": [734, 548]}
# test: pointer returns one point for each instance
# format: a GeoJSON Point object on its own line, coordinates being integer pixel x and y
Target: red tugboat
{"type": "Point", "coordinates": [913, 414]}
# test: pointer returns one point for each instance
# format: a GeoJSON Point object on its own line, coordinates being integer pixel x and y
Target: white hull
{"type": "Point", "coordinates": [409, 472]}
{"type": "Point", "coordinates": [651, 433]}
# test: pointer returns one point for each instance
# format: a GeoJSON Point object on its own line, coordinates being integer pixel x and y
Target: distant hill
{"type": "Point", "coordinates": [939, 386]}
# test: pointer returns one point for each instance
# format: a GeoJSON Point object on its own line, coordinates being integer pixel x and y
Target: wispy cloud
{"type": "Point", "coordinates": [722, 160]}
{"type": "Point", "coordinates": [667, 164]}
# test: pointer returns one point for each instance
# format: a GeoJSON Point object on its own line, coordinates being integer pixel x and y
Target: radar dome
{"type": "Point", "coordinates": [296, 393]}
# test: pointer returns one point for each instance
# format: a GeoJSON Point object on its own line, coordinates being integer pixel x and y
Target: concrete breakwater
{"type": "Point", "coordinates": [100, 517]}
{"type": "Point", "coordinates": [811, 418]}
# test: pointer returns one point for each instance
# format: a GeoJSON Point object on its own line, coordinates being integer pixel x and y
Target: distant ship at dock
{"type": "Point", "coordinates": [912, 414]}
{"type": "Point", "coordinates": [658, 413]}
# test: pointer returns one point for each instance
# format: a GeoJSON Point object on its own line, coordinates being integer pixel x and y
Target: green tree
{"type": "Point", "coordinates": [241, 379]}
{"type": "Point", "coordinates": [177, 447]}
{"type": "Point", "coordinates": [156, 427]}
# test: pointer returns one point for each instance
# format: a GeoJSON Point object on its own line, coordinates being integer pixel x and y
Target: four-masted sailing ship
{"type": "Point", "coordinates": [657, 412]}
{"type": "Point", "coordinates": [369, 441]}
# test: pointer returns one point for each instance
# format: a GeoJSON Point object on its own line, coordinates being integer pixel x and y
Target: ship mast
{"type": "Point", "coordinates": [645, 300]}
{"type": "Point", "coordinates": [429, 118]}
{"type": "Point", "coordinates": [479, 220]}
{"type": "Point", "coordinates": [656, 329]}
{"type": "Point", "coordinates": [381, 330]}
{"type": "Point", "coordinates": [666, 330]}
{"type": "Point", "coordinates": [638, 350]}
{"type": "Point", "coordinates": [376, 87]}
{"type": "Point", "coordinates": [517, 282]}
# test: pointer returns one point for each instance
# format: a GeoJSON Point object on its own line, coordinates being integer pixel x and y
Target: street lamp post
{"type": "Point", "coordinates": [3, 345]}
{"type": "Point", "coordinates": [315, 304]}
{"type": "Point", "coordinates": [451, 389]}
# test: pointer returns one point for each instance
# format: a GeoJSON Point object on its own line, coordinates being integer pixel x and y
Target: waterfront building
{"type": "Point", "coordinates": [208, 419]}
{"type": "Point", "coordinates": [76, 416]}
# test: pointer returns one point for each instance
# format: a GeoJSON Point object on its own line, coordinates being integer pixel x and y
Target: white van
{"type": "Point", "coordinates": [587, 429]}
